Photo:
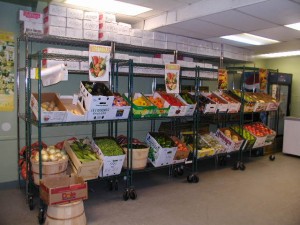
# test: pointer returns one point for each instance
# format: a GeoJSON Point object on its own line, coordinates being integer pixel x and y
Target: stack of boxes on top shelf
{"type": "Point", "coordinates": [78, 24]}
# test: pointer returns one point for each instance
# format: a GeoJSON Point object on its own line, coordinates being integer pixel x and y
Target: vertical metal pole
{"type": "Point", "coordinates": [18, 109]}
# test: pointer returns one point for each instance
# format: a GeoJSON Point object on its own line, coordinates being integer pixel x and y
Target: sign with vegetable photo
{"type": "Point", "coordinates": [222, 79]}
{"type": "Point", "coordinates": [99, 62]}
{"type": "Point", "coordinates": [172, 78]}
{"type": "Point", "coordinates": [263, 79]}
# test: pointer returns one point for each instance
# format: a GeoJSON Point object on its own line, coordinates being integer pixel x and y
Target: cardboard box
{"type": "Point", "coordinates": [75, 13]}
{"type": "Point", "coordinates": [180, 155]}
{"type": "Point", "coordinates": [84, 65]}
{"type": "Point", "coordinates": [182, 47]}
{"type": "Point", "coordinates": [91, 25]}
{"type": "Point", "coordinates": [75, 111]}
{"type": "Point", "coordinates": [123, 29]}
{"type": "Point", "coordinates": [226, 140]}
{"type": "Point", "coordinates": [61, 190]}
{"type": "Point", "coordinates": [72, 65]}
{"type": "Point", "coordinates": [136, 41]}
{"type": "Point", "coordinates": [106, 36]}
{"type": "Point", "coordinates": [171, 45]}
{"type": "Point", "coordinates": [112, 164]}
{"type": "Point", "coordinates": [96, 102]}
{"type": "Point", "coordinates": [190, 108]}
{"type": "Point", "coordinates": [108, 27]}
{"type": "Point", "coordinates": [122, 56]}
{"type": "Point", "coordinates": [58, 21]}
{"type": "Point", "coordinates": [55, 31]}
{"type": "Point", "coordinates": [136, 33]}
{"type": "Point", "coordinates": [48, 116]}
{"type": "Point", "coordinates": [56, 10]}
{"type": "Point", "coordinates": [120, 38]}
{"type": "Point", "coordinates": [171, 38]}
{"type": "Point", "coordinates": [222, 105]}
{"type": "Point", "coordinates": [86, 170]}
{"type": "Point", "coordinates": [32, 27]}
{"type": "Point", "coordinates": [160, 44]}
{"type": "Point", "coordinates": [29, 16]}
{"type": "Point", "coordinates": [161, 156]}
{"type": "Point", "coordinates": [54, 51]}
{"type": "Point", "coordinates": [146, 59]}
{"type": "Point", "coordinates": [74, 23]}
{"type": "Point", "coordinates": [148, 43]}
{"type": "Point", "coordinates": [90, 34]}
{"type": "Point", "coordinates": [74, 33]}
{"type": "Point", "coordinates": [159, 36]}
{"type": "Point", "coordinates": [91, 16]}
{"type": "Point", "coordinates": [148, 34]}
{"type": "Point", "coordinates": [173, 110]}
{"type": "Point", "coordinates": [182, 40]}
{"type": "Point", "coordinates": [107, 17]}
{"type": "Point", "coordinates": [233, 105]}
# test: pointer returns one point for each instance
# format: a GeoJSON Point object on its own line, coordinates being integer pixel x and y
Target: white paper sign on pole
{"type": "Point", "coordinates": [99, 62]}
{"type": "Point", "coordinates": [172, 78]}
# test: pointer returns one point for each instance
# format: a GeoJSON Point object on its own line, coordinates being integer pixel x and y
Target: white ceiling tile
{"type": "Point", "coordinates": [238, 20]}
{"type": "Point", "coordinates": [278, 33]}
{"type": "Point", "coordinates": [207, 28]}
{"type": "Point", "coordinates": [277, 11]}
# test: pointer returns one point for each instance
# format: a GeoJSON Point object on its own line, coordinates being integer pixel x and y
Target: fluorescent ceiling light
{"type": "Point", "coordinates": [280, 54]}
{"type": "Point", "coordinates": [250, 39]}
{"type": "Point", "coordinates": [295, 26]}
{"type": "Point", "coordinates": [110, 6]}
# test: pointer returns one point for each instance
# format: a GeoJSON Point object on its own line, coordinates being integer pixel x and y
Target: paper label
{"type": "Point", "coordinates": [172, 78]}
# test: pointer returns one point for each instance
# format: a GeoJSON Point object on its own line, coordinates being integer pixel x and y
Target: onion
{"type": "Point", "coordinates": [45, 158]}
{"type": "Point", "coordinates": [36, 157]}
{"type": "Point", "coordinates": [58, 155]}
{"type": "Point", "coordinates": [57, 150]}
{"type": "Point", "coordinates": [64, 157]}
{"type": "Point", "coordinates": [44, 151]}
{"type": "Point", "coordinates": [53, 158]}
{"type": "Point", "coordinates": [52, 151]}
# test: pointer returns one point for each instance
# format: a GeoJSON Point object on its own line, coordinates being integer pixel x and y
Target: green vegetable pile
{"type": "Point", "coordinates": [109, 147]}
{"type": "Point", "coordinates": [84, 152]}
{"type": "Point", "coordinates": [163, 140]}
{"type": "Point", "coordinates": [187, 97]}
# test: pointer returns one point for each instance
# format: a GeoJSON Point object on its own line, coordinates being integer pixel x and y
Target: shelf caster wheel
{"type": "Point", "coordinates": [272, 157]}
{"type": "Point", "coordinates": [41, 216]}
{"type": "Point", "coordinates": [195, 179]}
{"type": "Point", "coordinates": [180, 171]}
{"type": "Point", "coordinates": [242, 166]}
{"type": "Point", "coordinates": [189, 178]}
{"type": "Point", "coordinates": [236, 166]}
{"type": "Point", "coordinates": [30, 202]}
{"type": "Point", "coordinates": [132, 194]}
{"type": "Point", "coordinates": [126, 194]}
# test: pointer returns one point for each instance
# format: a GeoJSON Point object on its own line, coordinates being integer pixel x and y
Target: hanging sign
{"type": "Point", "coordinates": [172, 78]}
{"type": "Point", "coordinates": [7, 71]}
{"type": "Point", "coordinates": [222, 79]}
{"type": "Point", "coordinates": [99, 62]}
{"type": "Point", "coordinates": [263, 79]}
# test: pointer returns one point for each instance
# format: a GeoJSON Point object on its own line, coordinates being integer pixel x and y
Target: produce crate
{"type": "Point", "coordinates": [248, 101]}
{"type": "Point", "coordinates": [251, 139]}
{"type": "Point", "coordinates": [214, 143]}
{"type": "Point", "coordinates": [148, 110]}
{"type": "Point", "coordinates": [271, 103]}
{"type": "Point", "coordinates": [158, 154]}
{"type": "Point", "coordinates": [120, 108]}
{"type": "Point", "coordinates": [175, 105]}
{"type": "Point", "coordinates": [48, 116]}
{"type": "Point", "coordinates": [261, 137]}
{"type": "Point", "coordinates": [87, 170]}
{"type": "Point", "coordinates": [62, 190]}
{"type": "Point", "coordinates": [206, 106]}
{"type": "Point", "coordinates": [222, 105]}
{"type": "Point", "coordinates": [95, 95]}
{"type": "Point", "coordinates": [139, 156]}
{"type": "Point", "coordinates": [112, 163]}
{"type": "Point", "coordinates": [232, 140]}
{"type": "Point", "coordinates": [75, 111]}
{"type": "Point", "coordinates": [187, 99]}
{"type": "Point", "coordinates": [260, 104]}
{"type": "Point", "coordinates": [162, 108]}
{"type": "Point", "coordinates": [233, 104]}
{"type": "Point", "coordinates": [182, 152]}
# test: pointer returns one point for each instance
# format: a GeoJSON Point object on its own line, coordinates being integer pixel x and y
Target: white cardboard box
{"type": "Point", "coordinates": [182, 47]}
{"type": "Point", "coordinates": [148, 34]}
{"type": "Point", "coordinates": [148, 43]}
{"type": "Point", "coordinates": [55, 10]}
{"type": "Point", "coordinates": [122, 29]}
{"type": "Point", "coordinates": [162, 156]}
{"type": "Point", "coordinates": [75, 13]}
{"type": "Point", "coordinates": [74, 23]}
{"type": "Point", "coordinates": [32, 27]}
{"type": "Point", "coordinates": [146, 59]}
{"type": "Point", "coordinates": [108, 27]}
{"type": "Point", "coordinates": [171, 45]}
{"type": "Point", "coordinates": [87, 15]}
{"type": "Point", "coordinates": [48, 116]}
{"type": "Point", "coordinates": [182, 40]}
{"type": "Point", "coordinates": [74, 33]}
{"type": "Point", "coordinates": [157, 61]}
{"type": "Point", "coordinates": [75, 111]}
{"type": "Point", "coordinates": [52, 20]}
{"type": "Point", "coordinates": [90, 34]}
{"type": "Point", "coordinates": [84, 65]}
{"type": "Point", "coordinates": [30, 16]}
{"type": "Point", "coordinates": [91, 25]}
{"type": "Point", "coordinates": [112, 165]}
{"type": "Point", "coordinates": [160, 44]}
{"type": "Point", "coordinates": [122, 56]}
{"type": "Point", "coordinates": [137, 41]}
{"type": "Point", "coordinates": [136, 33]}
{"type": "Point", "coordinates": [106, 36]}
{"type": "Point", "coordinates": [107, 17]}
{"type": "Point", "coordinates": [190, 108]}
{"type": "Point", "coordinates": [72, 65]}
{"type": "Point", "coordinates": [120, 38]}
{"type": "Point", "coordinates": [159, 36]}
{"type": "Point", "coordinates": [171, 38]}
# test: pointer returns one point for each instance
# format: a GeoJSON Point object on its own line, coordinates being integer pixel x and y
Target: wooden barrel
{"type": "Point", "coordinates": [66, 214]}
{"type": "Point", "coordinates": [139, 158]}
{"type": "Point", "coordinates": [58, 168]}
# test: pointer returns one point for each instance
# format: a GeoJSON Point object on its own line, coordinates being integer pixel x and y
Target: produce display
{"type": "Point", "coordinates": [215, 98]}
{"type": "Point", "coordinates": [109, 146]}
{"type": "Point", "coordinates": [141, 101]}
{"type": "Point", "coordinates": [229, 134]}
{"type": "Point", "coordinates": [97, 88]}
{"type": "Point", "coordinates": [247, 97]}
{"type": "Point", "coordinates": [244, 133]}
{"type": "Point", "coordinates": [163, 140]}
{"type": "Point", "coordinates": [188, 98]}
{"type": "Point", "coordinates": [214, 143]}
{"type": "Point", "coordinates": [83, 151]}
{"type": "Point", "coordinates": [182, 150]}
{"type": "Point", "coordinates": [49, 106]}
{"type": "Point", "coordinates": [157, 101]}
{"type": "Point", "coordinates": [206, 105]}
{"type": "Point", "coordinates": [228, 98]}
{"type": "Point", "coordinates": [171, 99]}
{"type": "Point", "coordinates": [119, 100]}
{"type": "Point", "coordinates": [258, 129]}
{"type": "Point", "coordinates": [50, 154]}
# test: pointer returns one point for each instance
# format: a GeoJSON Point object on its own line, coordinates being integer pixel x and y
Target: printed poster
{"type": "Point", "coordinates": [6, 71]}
{"type": "Point", "coordinates": [263, 79]}
{"type": "Point", "coordinates": [222, 79]}
{"type": "Point", "coordinates": [172, 78]}
{"type": "Point", "coordinates": [99, 62]}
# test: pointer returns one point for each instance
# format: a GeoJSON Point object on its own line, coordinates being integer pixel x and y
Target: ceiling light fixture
{"type": "Point", "coordinates": [110, 6]}
{"type": "Point", "coordinates": [295, 26]}
{"type": "Point", "coordinates": [279, 54]}
{"type": "Point", "coordinates": [250, 39]}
